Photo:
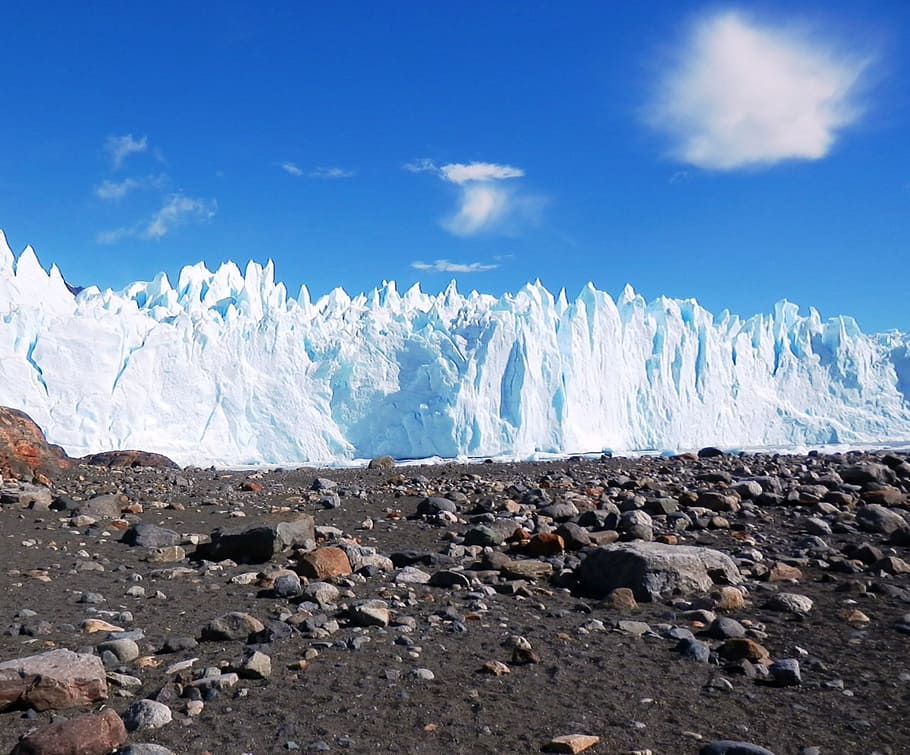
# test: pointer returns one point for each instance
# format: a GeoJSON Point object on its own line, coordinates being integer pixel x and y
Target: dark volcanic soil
{"type": "Point", "coordinates": [364, 695]}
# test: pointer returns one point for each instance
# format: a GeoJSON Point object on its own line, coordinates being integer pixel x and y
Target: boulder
{"type": "Point", "coordinates": [24, 451]}
{"type": "Point", "coordinates": [150, 536]}
{"type": "Point", "coordinates": [52, 680]}
{"type": "Point", "coordinates": [231, 626]}
{"type": "Point", "coordinates": [128, 459]}
{"type": "Point", "coordinates": [655, 570]}
{"type": "Point", "coordinates": [91, 734]}
{"type": "Point", "coordinates": [383, 463]}
{"type": "Point", "coordinates": [324, 563]}
{"type": "Point", "coordinates": [258, 543]}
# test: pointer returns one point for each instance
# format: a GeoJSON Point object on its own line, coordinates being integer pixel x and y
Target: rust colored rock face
{"type": "Point", "coordinates": [24, 451]}
{"type": "Point", "coordinates": [91, 734]}
{"type": "Point", "coordinates": [324, 563]}
{"type": "Point", "coordinates": [53, 680]}
{"type": "Point", "coordinates": [127, 459]}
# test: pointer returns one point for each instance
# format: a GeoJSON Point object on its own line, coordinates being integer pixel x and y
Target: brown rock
{"type": "Point", "coordinates": [56, 679]}
{"type": "Point", "coordinates": [91, 734]}
{"type": "Point", "coordinates": [250, 486]}
{"type": "Point", "coordinates": [729, 599]}
{"type": "Point", "coordinates": [892, 565]}
{"type": "Point", "coordinates": [528, 569]}
{"type": "Point", "coordinates": [604, 537]}
{"type": "Point", "coordinates": [742, 648]}
{"type": "Point", "coordinates": [781, 572]}
{"type": "Point", "coordinates": [121, 459]}
{"type": "Point", "coordinates": [323, 563]}
{"type": "Point", "coordinates": [622, 598]}
{"type": "Point", "coordinates": [24, 451]}
{"type": "Point", "coordinates": [545, 544]}
{"type": "Point", "coordinates": [571, 743]}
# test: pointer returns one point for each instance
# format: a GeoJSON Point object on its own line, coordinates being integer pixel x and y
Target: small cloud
{"type": "Point", "coordinates": [423, 165]}
{"type": "Point", "coordinates": [459, 173]}
{"type": "Point", "coordinates": [482, 206]}
{"type": "Point", "coordinates": [115, 190]}
{"type": "Point", "coordinates": [444, 266]}
{"type": "Point", "coordinates": [331, 173]}
{"type": "Point", "coordinates": [679, 177]}
{"type": "Point", "coordinates": [177, 210]}
{"type": "Point", "coordinates": [113, 237]}
{"type": "Point", "coordinates": [121, 147]}
{"type": "Point", "coordinates": [746, 94]}
{"type": "Point", "coordinates": [292, 169]}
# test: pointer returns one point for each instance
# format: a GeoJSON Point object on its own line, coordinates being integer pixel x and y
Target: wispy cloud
{"type": "Point", "coordinates": [460, 173]}
{"type": "Point", "coordinates": [444, 266]}
{"type": "Point", "coordinates": [177, 210]}
{"type": "Point", "coordinates": [331, 172]}
{"type": "Point", "coordinates": [742, 93]}
{"type": "Point", "coordinates": [114, 190]}
{"type": "Point", "coordinates": [483, 205]}
{"type": "Point", "coordinates": [121, 147]}
{"type": "Point", "coordinates": [291, 168]}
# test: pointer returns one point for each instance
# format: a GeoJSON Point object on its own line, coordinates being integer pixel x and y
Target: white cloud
{"type": "Point", "coordinates": [444, 266]}
{"type": "Point", "coordinates": [291, 168]}
{"type": "Point", "coordinates": [480, 208]}
{"type": "Point", "coordinates": [331, 172]}
{"type": "Point", "coordinates": [482, 205]}
{"type": "Point", "coordinates": [114, 190]}
{"type": "Point", "coordinates": [745, 94]}
{"type": "Point", "coordinates": [177, 210]}
{"type": "Point", "coordinates": [121, 147]}
{"type": "Point", "coordinates": [460, 173]}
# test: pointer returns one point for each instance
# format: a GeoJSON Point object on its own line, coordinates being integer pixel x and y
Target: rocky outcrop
{"type": "Point", "coordinates": [24, 451]}
{"type": "Point", "coordinates": [129, 459]}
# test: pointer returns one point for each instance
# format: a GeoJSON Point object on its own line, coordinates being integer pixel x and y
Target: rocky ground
{"type": "Point", "coordinates": [649, 605]}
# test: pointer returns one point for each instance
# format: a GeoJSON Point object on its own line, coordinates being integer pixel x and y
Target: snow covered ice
{"type": "Point", "coordinates": [224, 368]}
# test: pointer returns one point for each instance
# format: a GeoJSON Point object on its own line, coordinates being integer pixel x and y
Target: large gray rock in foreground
{"type": "Point", "coordinates": [258, 543]}
{"type": "Point", "coordinates": [655, 570]}
{"type": "Point", "coordinates": [52, 680]}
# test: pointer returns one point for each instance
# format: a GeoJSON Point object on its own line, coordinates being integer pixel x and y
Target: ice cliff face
{"type": "Point", "coordinates": [225, 368]}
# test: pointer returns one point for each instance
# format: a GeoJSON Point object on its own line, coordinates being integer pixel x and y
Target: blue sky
{"type": "Point", "coordinates": [738, 154]}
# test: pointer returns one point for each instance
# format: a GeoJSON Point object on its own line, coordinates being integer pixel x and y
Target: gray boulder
{"type": "Point", "coordinates": [655, 570]}
{"type": "Point", "coordinates": [259, 543]}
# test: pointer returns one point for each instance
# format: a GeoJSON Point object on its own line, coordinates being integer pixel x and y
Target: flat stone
{"type": "Point", "coordinates": [370, 613]}
{"type": "Point", "coordinates": [150, 536]}
{"type": "Point", "coordinates": [54, 680]}
{"type": "Point", "coordinates": [571, 743]}
{"type": "Point", "coordinates": [90, 734]}
{"type": "Point", "coordinates": [527, 569]}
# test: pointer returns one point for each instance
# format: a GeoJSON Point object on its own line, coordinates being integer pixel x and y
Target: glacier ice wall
{"type": "Point", "coordinates": [225, 368]}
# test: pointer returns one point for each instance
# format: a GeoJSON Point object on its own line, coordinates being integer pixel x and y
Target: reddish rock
{"type": "Point", "coordinates": [52, 680]}
{"type": "Point", "coordinates": [742, 648]}
{"type": "Point", "coordinates": [622, 598]}
{"type": "Point", "coordinates": [121, 459]}
{"type": "Point", "coordinates": [323, 563]}
{"type": "Point", "coordinates": [91, 734]}
{"type": "Point", "coordinates": [781, 572]}
{"type": "Point", "coordinates": [24, 451]}
{"type": "Point", "coordinates": [249, 486]}
{"type": "Point", "coordinates": [545, 544]}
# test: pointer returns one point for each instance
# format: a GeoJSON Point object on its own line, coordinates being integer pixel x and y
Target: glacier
{"type": "Point", "coordinates": [224, 368]}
